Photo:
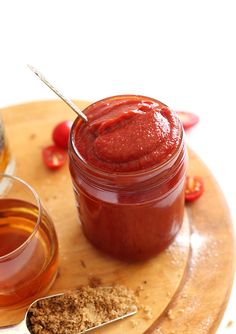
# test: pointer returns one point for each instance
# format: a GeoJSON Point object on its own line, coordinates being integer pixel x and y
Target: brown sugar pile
{"type": "Point", "coordinates": [79, 310]}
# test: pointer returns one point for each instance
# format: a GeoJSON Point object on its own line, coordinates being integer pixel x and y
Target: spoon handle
{"type": "Point", "coordinates": [70, 103]}
{"type": "Point", "coordinates": [17, 329]}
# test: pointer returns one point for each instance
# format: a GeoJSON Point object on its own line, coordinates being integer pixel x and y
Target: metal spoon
{"type": "Point", "coordinates": [22, 327]}
{"type": "Point", "coordinates": [70, 103]}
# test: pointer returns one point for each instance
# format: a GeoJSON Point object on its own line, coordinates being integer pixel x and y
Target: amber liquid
{"type": "Point", "coordinates": [4, 156]}
{"type": "Point", "coordinates": [28, 260]}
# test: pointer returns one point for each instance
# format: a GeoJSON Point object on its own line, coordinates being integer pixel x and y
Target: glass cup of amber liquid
{"type": "Point", "coordinates": [28, 245]}
{"type": "Point", "coordinates": [7, 163]}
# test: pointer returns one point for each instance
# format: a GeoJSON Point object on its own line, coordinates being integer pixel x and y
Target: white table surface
{"type": "Point", "coordinates": [180, 52]}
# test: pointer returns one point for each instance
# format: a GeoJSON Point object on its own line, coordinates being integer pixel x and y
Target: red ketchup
{"type": "Point", "coordinates": [128, 165]}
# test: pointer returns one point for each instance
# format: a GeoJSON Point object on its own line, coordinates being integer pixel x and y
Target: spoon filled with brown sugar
{"type": "Point", "coordinates": [77, 311]}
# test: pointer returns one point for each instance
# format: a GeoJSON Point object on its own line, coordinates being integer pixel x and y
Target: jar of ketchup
{"type": "Point", "coordinates": [128, 165]}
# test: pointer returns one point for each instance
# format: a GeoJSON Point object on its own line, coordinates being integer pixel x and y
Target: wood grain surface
{"type": "Point", "coordinates": [183, 290]}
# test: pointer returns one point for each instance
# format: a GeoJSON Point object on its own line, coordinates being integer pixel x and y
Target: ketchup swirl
{"type": "Point", "coordinates": [128, 134]}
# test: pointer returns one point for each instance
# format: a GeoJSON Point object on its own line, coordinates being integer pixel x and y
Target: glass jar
{"type": "Point", "coordinates": [130, 215]}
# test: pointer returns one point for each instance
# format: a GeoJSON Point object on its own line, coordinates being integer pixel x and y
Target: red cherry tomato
{"type": "Point", "coordinates": [54, 157]}
{"type": "Point", "coordinates": [61, 133]}
{"type": "Point", "coordinates": [188, 119]}
{"type": "Point", "coordinates": [194, 188]}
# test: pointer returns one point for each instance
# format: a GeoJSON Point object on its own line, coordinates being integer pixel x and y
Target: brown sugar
{"type": "Point", "coordinates": [147, 313]}
{"type": "Point", "coordinates": [230, 323]}
{"type": "Point", "coordinates": [76, 311]}
{"type": "Point", "coordinates": [170, 315]}
{"type": "Point", "coordinates": [94, 282]}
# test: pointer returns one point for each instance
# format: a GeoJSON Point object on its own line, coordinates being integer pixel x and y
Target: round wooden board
{"type": "Point", "coordinates": [186, 287]}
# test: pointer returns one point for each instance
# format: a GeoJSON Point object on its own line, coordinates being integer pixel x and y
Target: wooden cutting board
{"type": "Point", "coordinates": [183, 290]}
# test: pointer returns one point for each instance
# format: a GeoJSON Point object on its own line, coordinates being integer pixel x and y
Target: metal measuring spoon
{"type": "Point", "coordinates": [70, 103]}
{"type": "Point", "coordinates": [23, 327]}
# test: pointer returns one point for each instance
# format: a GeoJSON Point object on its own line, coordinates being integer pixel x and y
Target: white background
{"type": "Point", "coordinates": [180, 52]}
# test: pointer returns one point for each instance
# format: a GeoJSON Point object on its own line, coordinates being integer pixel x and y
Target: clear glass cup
{"type": "Point", "coordinates": [28, 245]}
{"type": "Point", "coordinates": [7, 162]}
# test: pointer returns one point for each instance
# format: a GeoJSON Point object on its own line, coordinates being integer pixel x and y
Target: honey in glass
{"type": "Point", "coordinates": [28, 246]}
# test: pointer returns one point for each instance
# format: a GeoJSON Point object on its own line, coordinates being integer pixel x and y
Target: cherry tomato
{"type": "Point", "coordinates": [188, 119]}
{"type": "Point", "coordinates": [61, 133]}
{"type": "Point", "coordinates": [194, 188]}
{"type": "Point", "coordinates": [54, 157]}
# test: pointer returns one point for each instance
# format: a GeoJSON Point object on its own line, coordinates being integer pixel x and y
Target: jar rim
{"type": "Point", "coordinates": [142, 172]}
